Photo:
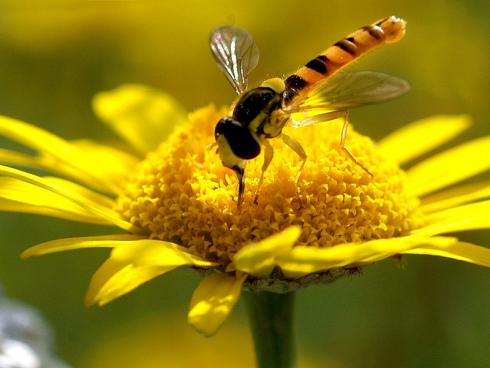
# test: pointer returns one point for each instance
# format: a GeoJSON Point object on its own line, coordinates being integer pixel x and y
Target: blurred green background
{"type": "Point", "coordinates": [54, 56]}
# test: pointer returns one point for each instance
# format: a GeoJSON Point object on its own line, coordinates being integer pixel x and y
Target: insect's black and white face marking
{"type": "Point", "coordinates": [240, 140]}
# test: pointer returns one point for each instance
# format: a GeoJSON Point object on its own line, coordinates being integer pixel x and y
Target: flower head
{"type": "Point", "coordinates": [177, 203]}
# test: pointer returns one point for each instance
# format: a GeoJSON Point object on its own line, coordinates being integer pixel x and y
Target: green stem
{"type": "Point", "coordinates": [271, 321]}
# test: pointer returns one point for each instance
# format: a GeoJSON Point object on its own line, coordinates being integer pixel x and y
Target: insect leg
{"type": "Point", "coordinates": [212, 145]}
{"type": "Point", "coordinates": [298, 148]}
{"type": "Point", "coordinates": [240, 173]}
{"type": "Point", "coordinates": [268, 154]}
{"type": "Point", "coordinates": [343, 136]}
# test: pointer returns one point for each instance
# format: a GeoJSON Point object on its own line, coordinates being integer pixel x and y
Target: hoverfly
{"type": "Point", "coordinates": [262, 112]}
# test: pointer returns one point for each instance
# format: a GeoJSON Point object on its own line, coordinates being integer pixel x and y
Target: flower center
{"type": "Point", "coordinates": [182, 193]}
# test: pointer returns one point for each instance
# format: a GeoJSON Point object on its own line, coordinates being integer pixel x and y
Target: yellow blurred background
{"type": "Point", "coordinates": [55, 55]}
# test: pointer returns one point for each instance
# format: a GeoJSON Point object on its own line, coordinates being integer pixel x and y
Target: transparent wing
{"type": "Point", "coordinates": [345, 90]}
{"type": "Point", "coordinates": [236, 54]}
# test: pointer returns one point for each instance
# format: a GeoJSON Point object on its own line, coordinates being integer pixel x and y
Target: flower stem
{"type": "Point", "coordinates": [271, 321]}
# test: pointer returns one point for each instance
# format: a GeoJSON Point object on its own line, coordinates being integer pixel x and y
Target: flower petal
{"type": "Point", "coordinates": [62, 245]}
{"type": "Point", "coordinates": [303, 260]}
{"type": "Point", "coordinates": [460, 251]}
{"type": "Point", "coordinates": [81, 191]}
{"type": "Point", "coordinates": [67, 191]}
{"type": "Point", "coordinates": [457, 196]}
{"type": "Point", "coordinates": [259, 259]}
{"type": "Point", "coordinates": [107, 163]}
{"type": "Point", "coordinates": [135, 262]}
{"type": "Point", "coordinates": [8, 157]}
{"type": "Point", "coordinates": [14, 206]}
{"type": "Point", "coordinates": [58, 155]}
{"type": "Point", "coordinates": [124, 281]}
{"type": "Point", "coordinates": [19, 196]}
{"type": "Point", "coordinates": [108, 269]}
{"type": "Point", "coordinates": [213, 300]}
{"type": "Point", "coordinates": [48, 163]}
{"type": "Point", "coordinates": [451, 166]}
{"type": "Point", "coordinates": [472, 216]}
{"type": "Point", "coordinates": [141, 115]}
{"type": "Point", "coordinates": [421, 136]}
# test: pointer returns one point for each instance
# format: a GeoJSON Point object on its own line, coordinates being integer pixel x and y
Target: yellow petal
{"type": "Point", "coordinates": [303, 260]}
{"type": "Point", "coordinates": [13, 158]}
{"type": "Point", "coordinates": [14, 206]}
{"type": "Point", "coordinates": [141, 115]}
{"type": "Point", "coordinates": [457, 196]}
{"type": "Point", "coordinates": [421, 136]}
{"type": "Point", "coordinates": [460, 251]}
{"type": "Point", "coordinates": [259, 259]}
{"type": "Point", "coordinates": [103, 274]}
{"type": "Point", "coordinates": [468, 217]}
{"type": "Point", "coordinates": [55, 150]}
{"type": "Point", "coordinates": [19, 196]}
{"type": "Point", "coordinates": [108, 164]}
{"type": "Point", "coordinates": [124, 281]}
{"type": "Point", "coordinates": [51, 164]}
{"type": "Point", "coordinates": [81, 191]}
{"type": "Point", "coordinates": [21, 191]}
{"type": "Point", "coordinates": [61, 245]}
{"type": "Point", "coordinates": [67, 192]}
{"type": "Point", "coordinates": [163, 254]}
{"type": "Point", "coordinates": [213, 301]}
{"type": "Point", "coordinates": [133, 263]}
{"type": "Point", "coordinates": [451, 166]}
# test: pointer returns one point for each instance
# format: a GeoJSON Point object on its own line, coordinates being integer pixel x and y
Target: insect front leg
{"type": "Point", "coordinates": [210, 146]}
{"type": "Point", "coordinates": [298, 149]}
{"type": "Point", "coordinates": [268, 154]}
{"type": "Point", "coordinates": [240, 173]}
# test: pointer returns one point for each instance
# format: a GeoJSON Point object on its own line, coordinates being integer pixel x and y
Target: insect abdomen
{"type": "Point", "coordinates": [387, 30]}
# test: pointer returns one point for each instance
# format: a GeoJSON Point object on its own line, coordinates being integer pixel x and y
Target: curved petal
{"type": "Point", "coordinates": [213, 301]}
{"type": "Point", "coordinates": [53, 165]}
{"type": "Point", "coordinates": [452, 197]}
{"type": "Point", "coordinates": [62, 245]}
{"type": "Point", "coordinates": [108, 269]}
{"type": "Point", "coordinates": [303, 260]}
{"type": "Point", "coordinates": [141, 115]}
{"type": "Point", "coordinates": [19, 207]}
{"type": "Point", "coordinates": [81, 191]}
{"type": "Point", "coordinates": [123, 281]}
{"type": "Point", "coordinates": [133, 263]}
{"type": "Point", "coordinates": [472, 216]}
{"type": "Point", "coordinates": [259, 259]}
{"type": "Point", "coordinates": [460, 251]}
{"type": "Point", "coordinates": [19, 196]}
{"type": "Point", "coordinates": [8, 157]}
{"type": "Point", "coordinates": [422, 136]}
{"type": "Point", "coordinates": [59, 156]}
{"type": "Point", "coordinates": [67, 191]}
{"type": "Point", "coordinates": [451, 166]}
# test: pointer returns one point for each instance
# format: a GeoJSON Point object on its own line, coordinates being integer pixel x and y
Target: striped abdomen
{"type": "Point", "coordinates": [387, 30]}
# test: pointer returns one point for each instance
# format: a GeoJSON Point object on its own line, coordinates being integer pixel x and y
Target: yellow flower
{"type": "Point", "coordinates": [177, 203]}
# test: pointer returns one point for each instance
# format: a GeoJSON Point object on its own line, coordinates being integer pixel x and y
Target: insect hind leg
{"type": "Point", "coordinates": [343, 136]}
{"type": "Point", "coordinates": [332, 115]}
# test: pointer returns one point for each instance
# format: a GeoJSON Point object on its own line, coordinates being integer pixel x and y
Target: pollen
{"type": "Point", "coordinates": [182, 193]}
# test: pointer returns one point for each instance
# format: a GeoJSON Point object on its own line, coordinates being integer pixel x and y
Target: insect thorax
{"type": "Point", "coordinates": [260, 111]}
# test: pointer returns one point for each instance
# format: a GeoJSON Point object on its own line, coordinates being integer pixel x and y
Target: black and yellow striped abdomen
{"type": "Point", "coordinates": [387, 30]}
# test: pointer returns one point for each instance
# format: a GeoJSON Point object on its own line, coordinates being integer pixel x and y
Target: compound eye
{"type": "Point", "coordinates": [241, 141]}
